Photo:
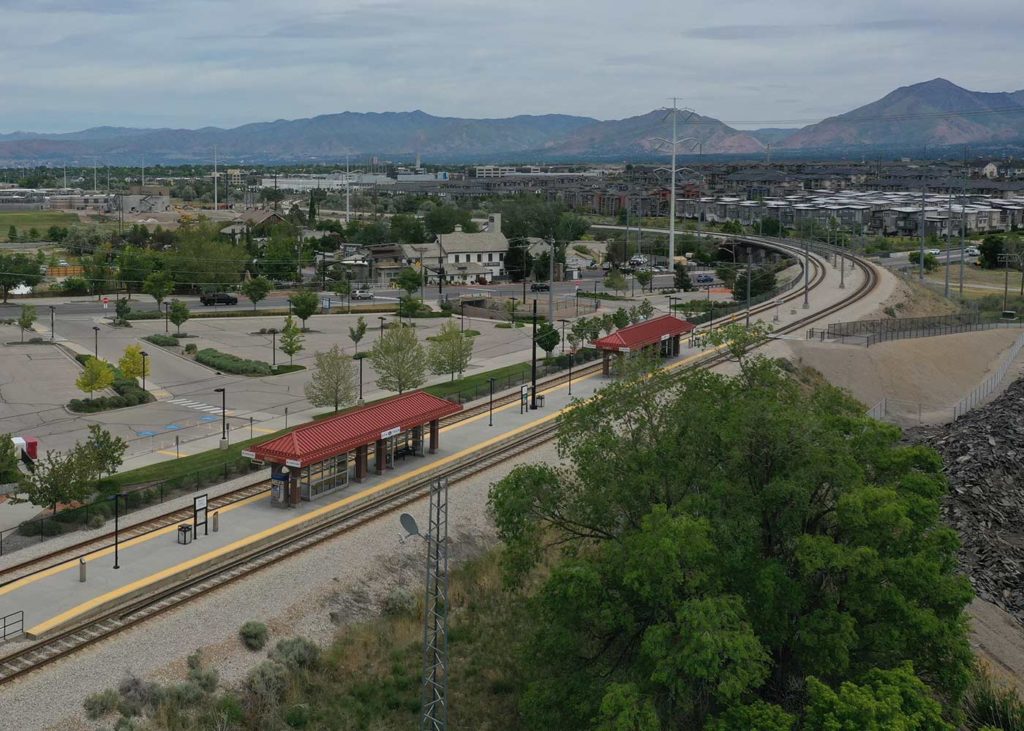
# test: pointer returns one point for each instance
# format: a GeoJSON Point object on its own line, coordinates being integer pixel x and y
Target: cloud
{"type": "Point", "coordinates": [803, 31]}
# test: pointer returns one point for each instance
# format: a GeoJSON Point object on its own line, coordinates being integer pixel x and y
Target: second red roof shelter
{"type": "Point", "coordinates": [658, 332]}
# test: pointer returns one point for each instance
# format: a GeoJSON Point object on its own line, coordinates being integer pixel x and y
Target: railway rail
{"type": "Point", "coordinates": [38, 653]}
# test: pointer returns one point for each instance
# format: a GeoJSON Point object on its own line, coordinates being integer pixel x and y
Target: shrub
{"type": "Point", "coordinates": [74, 286]}
{"type": "Point", "coordinates": [96, 521]}
{"type": "Point", "coordinates": [191, 349]}
{"type": "Point", "coordinates": [991, 703]}
{"type": "Point", "coordinates": [232, 363]}
{"type": "Point", "coordinates": [100, 704]}
{"type": "Point", "coordinates": [253, 635]}
{"type": "Point", "coordinates": [145, 315]}
{"type": "Point", "coordinates": [399, 602]}
{"type": "Point", "coordinates": [296, 652]}
{"type": "Point", "coordinates": [267, 683]}
{"type": "Point", "coordinates": [165, 341]}
{"type": "Point", "coordinates": [205, 678]}
{"type": "Point", "coordinates": [139, 696]}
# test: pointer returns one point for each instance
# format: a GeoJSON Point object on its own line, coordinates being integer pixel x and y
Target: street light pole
{"type": "Point", "coordinates": [52, 308]}
{"type": "Point", "coordinates": [361, 380]}
{"type": "Point", "coordinates": [564, 322]}
{"type": "Point", "coordinates": [117, 531]}
{"type": "Point", "coordinates": [144, 356]}
{"type": "Point", "coordinates": [533, 364]}
{"type": "Point", "coordinates": [96, 343]}
{"type": "Point", "coordinates": [381, 318]}
{"type": "Point", "coordinates": [223, 412]}
{"type": "Point", "coordinates": [167, 312]}
{"type": "Point", "coordinates": [807, 275]}
{"type": "Point", "coordinates": [572, 357]}
{"type": "Point", "coordinates": [273, 346]}
{"type": "Point", "coordinates": [490, 404]}
{"type": "Point", "coordinates": [747, 324]}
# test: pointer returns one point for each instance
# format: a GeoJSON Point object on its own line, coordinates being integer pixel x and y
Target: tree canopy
{"type": "Point", "coordinates": [450, 350]}
{"type": "Point", "coordinates": [723, 544]}
{"type": "Point", "coordinates": [399, 360]}
{"type": "Point", "coordinates": [333, 381]}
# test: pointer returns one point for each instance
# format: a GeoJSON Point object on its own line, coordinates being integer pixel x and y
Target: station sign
{"type": "Point", "coordinates": [390, 433]}
{"type": "Point", "coordinates": [199, 505]}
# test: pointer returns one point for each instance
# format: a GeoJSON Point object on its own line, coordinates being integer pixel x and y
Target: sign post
{"type": "Point", "coordinates": [199, 504]}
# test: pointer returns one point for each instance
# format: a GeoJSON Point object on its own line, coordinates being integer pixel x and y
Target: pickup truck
{"type": "Point", "coordinates": [540, 287]}
{"type": "Point", "coordinates": [218, 298]}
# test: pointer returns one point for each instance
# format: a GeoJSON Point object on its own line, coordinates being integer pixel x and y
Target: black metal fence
{"type": "Point", "coordinates": [869, 332]}
{"type": "Point", "coordinates": [12, 625]}
{"type": "Point", "coordinates": [96, 513]}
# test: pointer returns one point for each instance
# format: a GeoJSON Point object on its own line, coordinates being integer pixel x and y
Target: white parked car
{"type": "Point", "coordinates": [362, 294]}
{"type": "Point", "coordinates": [972, 251]}
{"type": "Point", "coordinates": [933, 252]}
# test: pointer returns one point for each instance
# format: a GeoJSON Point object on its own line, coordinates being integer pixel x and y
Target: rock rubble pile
{"type": "Point", "coordinates": [983, 453]}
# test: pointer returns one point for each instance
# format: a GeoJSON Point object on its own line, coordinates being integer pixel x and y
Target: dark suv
{"type": "Point", "coordinates": [218, 298]}
{"type": "Point", "coordinates": [540, 287]}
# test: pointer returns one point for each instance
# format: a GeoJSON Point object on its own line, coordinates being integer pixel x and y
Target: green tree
{"type": "Point", "coordinates": [443, 220]}
{"type": "Point", "coordinates": [399, 360]}
{"type": "Point", "coordinates": [158, 285]}
{"type": "Point", "coordinates": [409, 279]}
{"type": "Point", "coordinates": [178, 314]}
{"type": "Point", "coordinates": [9, 460]}
{"type": "Point", "coordinates": [991, 247]}
{"type": "Point", "coordinates": [547, 337]}
{"type": "Point", "coordinates": [17, 270]}
{"type": "Point", "coordinates": [644, 279]}
{"type": "Point", "coordinates": [762, 281]}
{"type": "Point", "coordinates": [518, 260]}
{"type": "Point", "coordinates": [770, 227]}
{"type": "Point", "coordinates": [732, 227]}
{"type": "Point", "coordinates": [96, 375]}
{"type": "Point", "coordinates": [12, 233]}
{"type": "Point", "coordinates": [645, 309]}
{"type": "Point", "coordinates": [356, 332]}
{"type": "Point", "coordinates": [256, 289]}
{"type": "Point", "coordinates": [26, 319]}
{"type": "Point", "coordinates": [717, 540]}
{"type": "Point", "coordinates": [333, 381]}
{"type": "Point", "coordinates": [931, 262]}
{"type": "Point", "coordinates": [304, 304]}
{"type": "Point", "coordinates": [280, 258]}
{"type": "Point", "coordinates": [291, 339]}
{"type": "Point", "coordinates": [133, 266]}
{"type": "Point", "coordinates": [621, 318]}
{"type": "Point", "coordinates": [202, 259]}
{"type": "Point", "coordinates": [106, 450]}
{"type": "Point", "coordinates": [406, 229]}
{"type": "Point", "coordinates": [132, 363]}
{"type": "Point", "coordinates": [343, 288]}
{"type": "Point", "coordinates": [122, 307]}
{"type": "Point", "coordinates": [33, 234]}
{"type": "Point", "coordinates": [615, 281]}
{"type": "Point", "coordinates": [542, 267]}
{"type": "Point", "coordinates": [59, 479]}
{"type": "Point", "coordinates": [882, 700]}
{"type": "Point", "coordinates": [449, 351]}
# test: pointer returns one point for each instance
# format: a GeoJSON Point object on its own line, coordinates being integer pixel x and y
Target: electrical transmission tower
{"type": "Point", "coordinates": [435, 615]}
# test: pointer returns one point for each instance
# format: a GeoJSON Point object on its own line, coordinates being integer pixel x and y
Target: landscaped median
{"type": "Point", "coordinates": [275, 312]}
{"type": "Point", "coordinates": [224, 362]}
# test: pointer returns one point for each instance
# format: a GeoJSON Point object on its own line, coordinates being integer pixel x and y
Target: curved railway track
{"type": "Point", "coordinates": [38, 653]}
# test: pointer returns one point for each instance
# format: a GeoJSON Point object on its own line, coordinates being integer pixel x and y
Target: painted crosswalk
{"type": "Point", "coordinates": [197, 405]}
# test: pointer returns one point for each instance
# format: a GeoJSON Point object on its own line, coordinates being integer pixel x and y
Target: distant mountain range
{"type": "Point", "coordinates": [934, 114]}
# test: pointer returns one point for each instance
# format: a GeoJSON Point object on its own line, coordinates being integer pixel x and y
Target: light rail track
{"type": "Point", "coordinates": [38, 653]}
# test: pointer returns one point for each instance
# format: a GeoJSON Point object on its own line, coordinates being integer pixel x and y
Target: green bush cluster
{"type": "Point", "coordinates": [165, 341]}
{"type": "Point", "coordinates": [191, 349]}
{"type": "Point", "coordinates": [75, 286]}
{"type": "Point", "coordinates": [145, 315]}
{"type": "Point", "coordinates": [253, 635]}
{"type": "Point", "coordinates": [232, 363]}
{"type": "Point", "coordinates": [128, 394]}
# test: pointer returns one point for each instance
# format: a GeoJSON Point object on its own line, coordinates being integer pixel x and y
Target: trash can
{"type": "Point", "coordinates": [184, 533]}
{"type": "Point", "coordinates": [540, 401]}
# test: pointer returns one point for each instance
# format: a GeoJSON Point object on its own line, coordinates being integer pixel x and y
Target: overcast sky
{"type": "Point", "coordinates": [70, 64]}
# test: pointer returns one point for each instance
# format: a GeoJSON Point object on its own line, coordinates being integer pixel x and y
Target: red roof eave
{"type": "Point", "coordinates": [644, 334]}
{"type": "Point", "coordinates": [336, 435]}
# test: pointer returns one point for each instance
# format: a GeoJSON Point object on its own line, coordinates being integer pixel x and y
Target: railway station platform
{"type": "Point", "coordinates": [54, 599]}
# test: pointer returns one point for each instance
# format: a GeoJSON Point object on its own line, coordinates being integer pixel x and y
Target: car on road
{"type": "Point", "coordinates": [933, 252]}
{"type": "Point", "coordinates": [540, 287]}
{"type": "Point", "coordinates": [972, 251]}
{"type": "Point", "coordinates": [362, 294]}
{"type": "Point", "coordinates": [218, 298]}
{"type": "Point", "coordinates": [704, 279]}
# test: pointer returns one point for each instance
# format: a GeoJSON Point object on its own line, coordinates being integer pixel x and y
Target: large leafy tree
{"type": "Point", "coordinates": [547, 337]}
{"type": "Point", "coordinates": [158, 285]}
{"type": "Point", "coordinates": [9, 459]}
{"type": "Point", "coordinates": [203, 260]}
{"type": "Point", "coordinates": [443, 220]}
{"type": "Point", "coordinates": [107, 450]}
{"type": "Point", "coordinates": [726, 539]}
{"type": "Point", "coordinates": [334, 379]}
{"type": "Point", "coordinates": [132, 364]}
{"type": "Point", "coordinates": [450, 350]}
{"type": "Point", "coordinates": [17, 270]}
{"type": "Point", "coordinates": [304, 304]}
{"type": "Point", "coordinates": [256, 289]}
{"type": "Point", "coordinates": [410, 280]}
{"type": "Point", "coordinates": [399, 360]}
{"type": "Point", "coordinates": [59, 478]}
{"type": "Point", "coordinates": [134, 265]}
{"type": "Point", "coordinates": [96, 375]}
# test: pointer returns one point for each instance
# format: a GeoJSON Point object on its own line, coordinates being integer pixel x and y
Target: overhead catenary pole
{"type": "Point", "coordinates": [920, 261]}
{"type": "Point", "coordinates": [963, 219]}
{"type": "Point", "coordinates": [533, 361]}
{"type": "Point", "coordinates": [435, 616]}
{"type": "Point", "coordinates": [551, 280]}
{"type": "Point", "coordinates": [215, 177]}
{"type": "Point", "coordinates": [672, 193]}
{"type": "Point", "coordinates": [949, 224]}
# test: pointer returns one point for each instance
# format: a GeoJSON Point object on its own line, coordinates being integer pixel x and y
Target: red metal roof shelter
{"type": "Point", "coordinates": [643, 334]}
{"type": "Point", "coordinates": [343, 433]}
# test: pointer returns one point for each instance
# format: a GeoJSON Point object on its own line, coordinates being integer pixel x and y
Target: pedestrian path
{"type": "Point", "coordinates": [56, 597]}
{"type": "Point", "coordinates": [199, 406]}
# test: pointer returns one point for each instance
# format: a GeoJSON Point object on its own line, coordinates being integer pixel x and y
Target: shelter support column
{"type": "Point", "coordinates": [360, 463]}
{"type": "Point", "coordinates": [605, 362]}
{"type": "Point", "coordinates": [379, 452]}
{"type": "Point", "coordinates": [435, 433]}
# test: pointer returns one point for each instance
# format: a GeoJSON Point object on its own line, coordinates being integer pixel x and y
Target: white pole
{"type": "Point", "coordinates": [672, 198]}
{"type": "Point", "coordinates": [215, 177]}
{"type": "Point", "coordinates": [65, 177]}
{"type": "Point", "coordinates": [348, 205]}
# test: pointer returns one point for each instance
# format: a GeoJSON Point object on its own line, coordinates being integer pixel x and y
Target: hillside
{"type": "Point", "coordinates": [933, 113]}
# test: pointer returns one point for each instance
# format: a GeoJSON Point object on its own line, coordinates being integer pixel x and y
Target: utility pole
{"type": "Point", "coordinates": [215, 177]}
{"type": "Point", "coordinates": [748, 285]}
{"type": "Point", "coordinates": [348, 202]}
{"type": "Point", "coordinates": [551, 280]}
{"type": "Point", "coordinates": [949, 224]}
{"type": "Point", "coordinates": [963, 219]}
{"type": "Point", "coordinates": [672, 194]}
{"type": "Point", "coordinates": [807, 275]}
{"type": "Point", "coordinates": [920, 261]}
{"type": "Point", "coordinates": [435, 615]}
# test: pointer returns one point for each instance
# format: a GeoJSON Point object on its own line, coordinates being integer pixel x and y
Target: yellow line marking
{"type": "Point", "coordinates": [171, 453]}
{"type": "Point", "coordinates": [99, 553]}
{"type": "Point", "coordinates": [277, 528]}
